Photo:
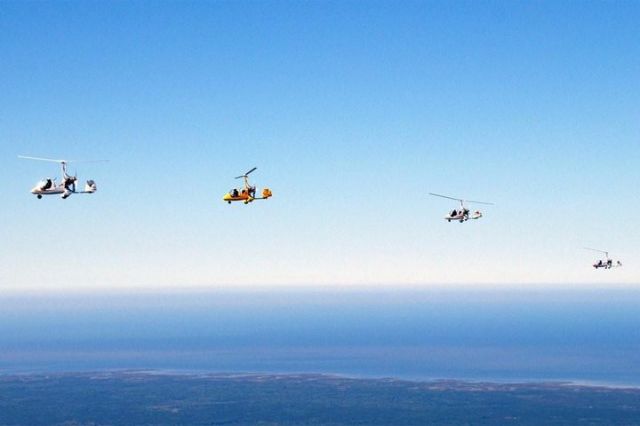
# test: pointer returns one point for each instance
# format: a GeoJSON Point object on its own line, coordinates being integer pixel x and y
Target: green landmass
{"type": "Point", "coordinates": [153, 398]}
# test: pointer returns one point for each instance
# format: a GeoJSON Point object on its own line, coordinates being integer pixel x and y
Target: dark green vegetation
{"type": "Point", "coordinates": [139, 398]}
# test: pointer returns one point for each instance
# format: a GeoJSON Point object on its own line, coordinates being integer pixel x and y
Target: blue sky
{"type": "Point", "coordinates": [352, 113]}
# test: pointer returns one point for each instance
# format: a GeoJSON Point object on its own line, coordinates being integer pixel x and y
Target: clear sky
{"type": "Point", "coordinates": [352, 112]}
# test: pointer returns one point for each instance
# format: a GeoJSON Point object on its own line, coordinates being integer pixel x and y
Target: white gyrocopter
{"type": "Point", "coordinates": [67, 186]}
{"type": "Point", "coordinates": [606, 263]}
{"type": "Point", "coordinates": [463, 213]}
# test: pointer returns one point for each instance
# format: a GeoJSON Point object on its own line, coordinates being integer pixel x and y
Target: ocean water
{"type": "Point", "coordinates": [588, 336]}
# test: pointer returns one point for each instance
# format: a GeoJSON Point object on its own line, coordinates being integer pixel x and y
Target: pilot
{"type": "Point", "coordinates": [609, 263]}
{"type": "Point", "coordinates": [454, 213]}
{"type": "Point", "coordinates": [234, 193]}
{"type": "Point", "coordinates": [600, 262]}
{"type": "Point", "coordinates": [47, 184]}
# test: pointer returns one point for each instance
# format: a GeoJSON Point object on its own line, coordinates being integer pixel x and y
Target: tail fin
{"type": "Point", "coordinates": [90, 187]}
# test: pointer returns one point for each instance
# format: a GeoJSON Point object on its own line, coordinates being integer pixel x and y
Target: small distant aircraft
{"type": "Point", "coordinates": [67, 186]}
{"type": "Point", "coordinates": [248, 193]}
{"type": "Point", "coordinates": [604, 263]}
{"type": "Point", "coordinates": [463, 214]}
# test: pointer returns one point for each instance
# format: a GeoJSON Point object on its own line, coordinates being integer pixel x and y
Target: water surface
{"type": "Point", "coordinates": [578, 335]}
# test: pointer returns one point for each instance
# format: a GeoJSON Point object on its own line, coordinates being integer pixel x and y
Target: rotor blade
{"type": "Point", "coordinates": [61, 161]}
{"type": "Point", "coordinates": [479, 202]}
{"type": "Point", "coordinates": [246, 174]}
{"type": "Point", "coordinates": [41, 159]}
{"type": "Point", "coordinates": [592, 249]}
{"type": "Point", "coordinates": [86, 161]}
{"type": "Point", "coordinates": [444, 196]}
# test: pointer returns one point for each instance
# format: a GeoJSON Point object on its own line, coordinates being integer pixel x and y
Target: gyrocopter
{"type": "Point", "coordinates": [463, 213]}
{"type": "Point", "coordinates": [606, 263]}
{"type": "Point", "coordinates": [248, 193]}
{"type": "Point", "coordinates": [67, 185]}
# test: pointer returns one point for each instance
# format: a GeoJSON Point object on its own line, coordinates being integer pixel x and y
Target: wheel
{"type": "Point", "coordinates": [461, 220]}
{"type": "Point", "coordinates": [229, 202]}
{"type": "Point", "coordinates": [39, 196]}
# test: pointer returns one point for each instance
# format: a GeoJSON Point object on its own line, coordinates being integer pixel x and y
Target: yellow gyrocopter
{"type": "Point", "coordinates": [248, 193]}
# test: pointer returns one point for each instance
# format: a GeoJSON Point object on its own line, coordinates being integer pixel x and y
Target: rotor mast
{"type": "Point", "coordinates": [63, 163]}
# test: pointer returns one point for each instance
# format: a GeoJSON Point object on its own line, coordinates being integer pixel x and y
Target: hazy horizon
{"type": "Point", "coordinates": [588, 336]}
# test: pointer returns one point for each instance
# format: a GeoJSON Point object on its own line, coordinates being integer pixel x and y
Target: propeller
{"type": "Point", "coordinates": [246, 174]}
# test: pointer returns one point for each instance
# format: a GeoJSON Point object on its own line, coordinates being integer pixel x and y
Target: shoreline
{"type": "Point", "coordinates": [460, 383]}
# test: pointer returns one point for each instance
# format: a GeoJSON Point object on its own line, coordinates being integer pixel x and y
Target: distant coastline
{"type": "Point", "coordinates": [435, 383]}
{"type": "Point", "coordinates": [579, 337]}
